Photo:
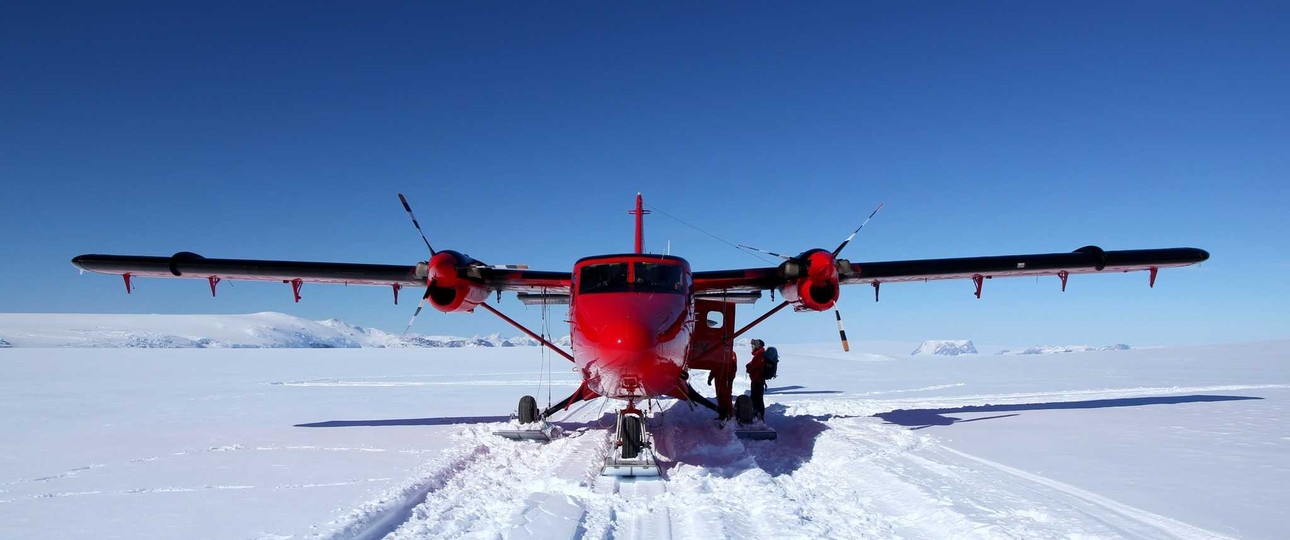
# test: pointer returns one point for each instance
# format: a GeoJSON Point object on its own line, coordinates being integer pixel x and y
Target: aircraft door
{"type": "Point", "coordinates": [714, 325]}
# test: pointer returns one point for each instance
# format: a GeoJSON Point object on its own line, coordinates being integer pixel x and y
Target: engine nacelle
{"type": "Point", "coordinates": [814, 285]}
{"type": "Point", "coordinates": [449, 290]}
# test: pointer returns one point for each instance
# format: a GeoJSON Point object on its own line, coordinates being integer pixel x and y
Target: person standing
{"type": "Point", "coordinates": [725, 379]}
{"type": "Point", "coordinates": [757, 376]}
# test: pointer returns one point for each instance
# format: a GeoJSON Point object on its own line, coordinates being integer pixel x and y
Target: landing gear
{"type": "Point", "coordinates": [528, 411]}
{"type": "Point", "coordinates": [632, 453]}
{"type": "Point", "coordinates": [629, 436]}
{"type": "Point", "coordinates": [532, 424]}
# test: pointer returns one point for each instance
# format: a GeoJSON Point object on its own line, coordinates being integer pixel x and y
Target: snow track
{"type": "Point", "coordinates": [829, 475]}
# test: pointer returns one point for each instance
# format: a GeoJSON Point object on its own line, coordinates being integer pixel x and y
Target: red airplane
{"type": "Point", "coordinates": [640, 321]}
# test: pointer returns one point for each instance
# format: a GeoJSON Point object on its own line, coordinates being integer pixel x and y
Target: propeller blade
{"type": "Point", "coordinates": [841, 331]}
{"type": "Point", "coordinates": [408, 207]}
{"type": "Point", "coordinates": [750, 248]}
{"type": "Point", "coordinates": [853, 233]}
{"type": "Point", "coordinates": [420, 305]}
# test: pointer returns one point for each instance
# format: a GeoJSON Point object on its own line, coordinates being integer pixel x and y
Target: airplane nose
{"type": "Point", "coordinates": [628, 334]}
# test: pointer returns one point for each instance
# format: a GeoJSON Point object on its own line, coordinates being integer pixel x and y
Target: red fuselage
{"type": "Point", "coordinates": [631, 318]}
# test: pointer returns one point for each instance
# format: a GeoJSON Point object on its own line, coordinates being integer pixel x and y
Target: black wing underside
{"type": "Point", "coordinates": [1086, 260]}
{"type": "Point", "coordinates": [191, 266]}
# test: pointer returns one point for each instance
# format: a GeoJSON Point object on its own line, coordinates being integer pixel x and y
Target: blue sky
{"type": "Point", "coordinates": [521, 132]}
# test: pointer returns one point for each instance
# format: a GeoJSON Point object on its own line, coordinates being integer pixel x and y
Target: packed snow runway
{"type": "Point", "coordinates": [397, 443]}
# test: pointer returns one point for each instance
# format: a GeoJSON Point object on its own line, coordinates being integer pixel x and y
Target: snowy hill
{"type": "Point", "coordinates": [256, 330]}
{"type": "Point", "coordinates": [945, 347]}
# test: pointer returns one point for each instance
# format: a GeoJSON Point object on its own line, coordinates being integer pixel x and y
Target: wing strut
{"type": "Point", "coordinates": [759, 320]}
{"type": "Point", "coordinates": [540, 339]}
{"type": "Point", "coordinates": [741, 331]}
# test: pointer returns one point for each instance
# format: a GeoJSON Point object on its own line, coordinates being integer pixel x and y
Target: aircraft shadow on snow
{"type": "Point", "coordinates": [797, 390]}
{"type": "Point", "coordinates": [721, 454]}
{"type": "Point", "coordinates": [925, 418]}
{"type": "Point", "coordinates": [606, 419]}
{"type": "Point", "coordinates": [798, 433]}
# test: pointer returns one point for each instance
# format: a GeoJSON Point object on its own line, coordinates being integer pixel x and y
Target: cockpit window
{"type": "Point", "coordinates": [657, 278]}
{"type": "Point", "coordinates": [644, 277]}
{"type": "Point", "coordinates": [603, 278]}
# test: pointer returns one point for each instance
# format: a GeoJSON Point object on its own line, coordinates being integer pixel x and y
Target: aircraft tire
{"type": "Point", "coordinates": [528, 412]}
{"type": "Point", "coordinates": [744, 409]}
{"type": "Point", "coordinates": [631, 434]}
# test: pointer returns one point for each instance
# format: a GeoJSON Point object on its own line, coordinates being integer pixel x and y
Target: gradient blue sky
{"type": "Point", "coordinates": [521, 132]}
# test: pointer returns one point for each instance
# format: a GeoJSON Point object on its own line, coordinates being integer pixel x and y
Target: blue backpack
{"type": "Point", "coordinates": [771, 356]}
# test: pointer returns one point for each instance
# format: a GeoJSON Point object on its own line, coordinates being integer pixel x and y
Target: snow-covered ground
{"type": "Point", "coordinates": [367, 443]}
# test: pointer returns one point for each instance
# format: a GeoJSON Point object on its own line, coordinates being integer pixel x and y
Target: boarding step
{"type": "Point", "coordinates": [756, 433]}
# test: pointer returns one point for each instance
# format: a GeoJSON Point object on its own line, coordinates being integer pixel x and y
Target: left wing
{"type": "Point", "coordinates": [193, 266]}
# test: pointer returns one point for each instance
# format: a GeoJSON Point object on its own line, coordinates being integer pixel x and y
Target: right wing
{"type": "Point", "coordinates": [1085, 260]}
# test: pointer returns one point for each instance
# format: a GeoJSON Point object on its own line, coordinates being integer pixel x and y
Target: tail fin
{"type": "Point", "coordinates": [639, 212]}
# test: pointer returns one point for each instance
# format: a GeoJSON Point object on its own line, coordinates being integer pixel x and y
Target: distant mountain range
{"type": "Point", "coordinates": [1055, 349]}
{"type": "Point", "coordinates": [279, 330]}
{"type": "Point", "coordinates": [945, 347]}
{"type": "Point", "coordinates": [956, 347]}
{"type": "Point", "coordinates": [257, 330]}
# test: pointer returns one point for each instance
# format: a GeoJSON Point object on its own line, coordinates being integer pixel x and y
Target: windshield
{"type": "Point", "coordinates": [657, 278]}
{"type": "Point", "coordinates": [602, 278]}
{"type": "Point", "coordinates": [644, 277]}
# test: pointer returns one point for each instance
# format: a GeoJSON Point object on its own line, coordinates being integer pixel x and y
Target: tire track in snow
{"type": "Point", "coordinates": [1136, 522]}
{"type": "Point", "coordinates": [378, 518]}
{"type": "Point", "coordinates": [831, 474]}
{"type": "Point", "coordinates": [485, 483]}
{"type": "Point", "coordinates": [912, 486]}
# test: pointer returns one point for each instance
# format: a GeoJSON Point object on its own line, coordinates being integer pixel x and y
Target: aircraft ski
{"type": "Point", "coordinates": [643, 466]}
{"type": "Point", "coordinates": [541, 431]}
{"type": "Point", "coordinates": [639, 322]}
